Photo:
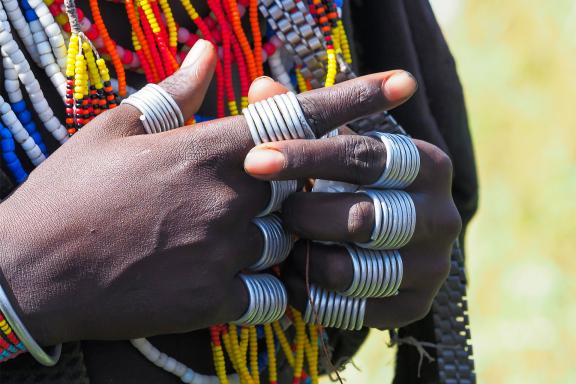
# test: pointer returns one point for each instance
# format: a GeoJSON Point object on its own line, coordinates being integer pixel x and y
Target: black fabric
{"type": "Point", "coordinates": [401, 34]}
{"type": "Point", "coordinates": [6, 185]}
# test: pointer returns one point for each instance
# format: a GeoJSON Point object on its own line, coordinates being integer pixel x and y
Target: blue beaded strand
{"type": "Point", "coordinates": [25, 117]}
{"type": "Point", "coordinates": [12, 163]}
{"type": "Point", "coordinates": [29, 13]}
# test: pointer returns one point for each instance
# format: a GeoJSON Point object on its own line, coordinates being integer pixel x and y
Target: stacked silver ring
{"type": "Point", "coordinates": [268, 300]}
{"type": "Point", "coordinates": [402, 161]}
{"type": "Point", "coordinates": [394, 219]}
{"type": "Point", "coordinates": [331, 309]}
{"type": "Point", "coordinates": [277, 118]}
{"type": "Point", "coordinates": [376, 273]}
{"type": "Point", "coordinates": [279, 191]}
{"type": "Point", "coordinates": [160, 112]}
{"type": "Point", "coordinates": [277, 242]}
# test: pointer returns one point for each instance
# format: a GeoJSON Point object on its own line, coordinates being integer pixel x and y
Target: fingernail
{"type": "Point", "coordinates": [198, 49]}
{"type": "Point", "coordinates": [264, 161]}
{"type": "Point", "coordinates": [400, 86]}
{"type": "Point", "coordinates": [262, 78]}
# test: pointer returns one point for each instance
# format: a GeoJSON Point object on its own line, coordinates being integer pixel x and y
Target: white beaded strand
{"type": "Point", "coordinates": [52, 30]}
{"type": "Point", "coordinates": [169, 364]}
{"type": "Point", "coordinates": [21, 26]}
{"type": "Point", "coordinates": [47, 60]}
{"type": "Point", "coordinates": [21, 136]}
{"type": "Point", "coordinates": [10, 49]}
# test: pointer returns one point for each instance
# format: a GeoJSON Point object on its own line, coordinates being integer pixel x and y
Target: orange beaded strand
{"type": "Point", "coordinates": [256, 36]}
{"type": "Point", "coordinates": [241, 36]}
{"type": "Point", "coordinates": [133, 18]}
{"type": "Point", "coordinates": [110, 47]}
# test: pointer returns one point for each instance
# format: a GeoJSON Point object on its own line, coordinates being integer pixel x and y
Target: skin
{"type": "Point", "coordinates": [130, 235]}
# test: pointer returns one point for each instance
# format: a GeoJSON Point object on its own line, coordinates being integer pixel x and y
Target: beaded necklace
{"type": "Point", "coordinates": [80, 74]}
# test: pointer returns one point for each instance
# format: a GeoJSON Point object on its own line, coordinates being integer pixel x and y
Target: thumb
{"type": "Point", "coordinates": [189, 84]}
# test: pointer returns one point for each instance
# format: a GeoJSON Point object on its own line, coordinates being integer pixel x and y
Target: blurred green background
{"type": "Point", "coordinates": [517, 62]}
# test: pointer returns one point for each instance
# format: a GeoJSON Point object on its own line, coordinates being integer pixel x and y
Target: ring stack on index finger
{"type": "Point", "coordinates": [275, 119]}
{"type": "Point", "coordinates": [160, 113]}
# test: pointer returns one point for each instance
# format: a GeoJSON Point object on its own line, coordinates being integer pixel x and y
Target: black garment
{"type": "Point", "coordinates": [385, 35]}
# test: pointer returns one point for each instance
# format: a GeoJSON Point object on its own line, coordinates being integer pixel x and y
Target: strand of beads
{"type": "Point", "coordinates": [13, 164]}
{"type": "Point", "coordinates": [319, 10]}
{"type": "Point", "coordinates": [52, 30]}
{"type": "Point", "coordinates": [12, 87]}
{"type": "Point", "coordinates": [241, 36]}
{"type": "Point", "coordinates": [11, 51]}
{"type": "Point", "coordinates": [42, 47]}
{"type": "Point", "coordinates": [110, 47]}
{"type": "Point", "coordinates": [138, 35]}
{"type": "Point", "coordinates": [20, 24]}
{"type": "Point", "coordinates": [10, 345]}
{"type": "Point", "coordinates": [88, 87]}
{"type": "Point", "coordinates": [216, 8]}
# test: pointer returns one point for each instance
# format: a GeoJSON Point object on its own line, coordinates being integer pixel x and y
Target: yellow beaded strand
{"type": "Point", "coordinates": [254, 369]}
{"type": "Point", "coordinates": [170, 23]}
{"type": "Point", "coordinates": [284, 344]}
{"type": "Point", "coordinates": [71, 57]}
{"type": "Point", "coordinates": [301, 82]}
{"type": "Point", "coordinates": [300, 341]}
{"type": "Point", "coordinates": [272, 370]}
{"type": "Point", "coordinates": [233, 107]}
{"type": "Point", "coordinates": [344, 44]}
{"type": "Point", "coordinates": [312, 353]}
{"type": "Point", "coordinates": [228, 346]}
{"type": "Point", "coordinates": [242, 370]}
{"type": "Point", "coordinates": [93, 72]}
{"type": "Point", "coordinates": [332, 68]}
{"type": "Point", "coordinates": [219, 363]}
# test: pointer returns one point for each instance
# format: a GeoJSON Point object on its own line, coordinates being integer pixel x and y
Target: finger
{"type": "Point", "coordinates": [349, 217]}
{"type": "Point", "coordinates": [263, 88]}
{"type": "Point", "coordinates": [354, 159]}
{"type": "Point", "coordinates": [325, 109]}
{"type": "Point", "coordinates": [189, 84]}
{"type": "Point", "coordinates": [385, 313]}
{"type": "Point", "coordinates": [330, 266]}
{"type": "Point", "coordinates": [328, 108]}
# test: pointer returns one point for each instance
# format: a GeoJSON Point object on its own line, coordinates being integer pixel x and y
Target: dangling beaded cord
{"type": "Point", "coordinates": [88, 87]}
{"type": "Point", "coordinates": [215, 7]}
{"type": "Point", "coordinates": [110, 46]}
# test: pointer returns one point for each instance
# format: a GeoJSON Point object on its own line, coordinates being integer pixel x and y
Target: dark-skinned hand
{"type": "Point", "coordinates": [120, 234]}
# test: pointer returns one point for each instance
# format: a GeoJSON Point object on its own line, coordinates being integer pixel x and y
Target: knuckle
{"type": "Point", "coordinates": [416, 310]}
{"type": "Point", "coordinates": [362, 157]}
{"type": "Point", "coordinates": [446, 222]}
{"type": "Point", "coordinates": [441, 163]}
{"type": "Point", "coordinates": [440, 269]}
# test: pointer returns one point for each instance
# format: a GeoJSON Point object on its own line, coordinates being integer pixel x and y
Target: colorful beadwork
{"type": "Point", "coordinates": [159, 45]}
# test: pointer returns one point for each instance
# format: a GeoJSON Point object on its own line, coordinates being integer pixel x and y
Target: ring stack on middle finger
{"type": "Point", "coordinates": [268, 300]}
{"type": "Point", "coordinates": [376, 273]}
{"type": "Point", "coordinates": [332, 309]}
{"type": "Point", "coordinates": [394, 219]}
{"type": "Point", "coordinates": [277, 242]}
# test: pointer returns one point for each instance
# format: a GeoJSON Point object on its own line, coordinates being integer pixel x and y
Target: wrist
{"type": "Point", "coordinates": [19, 268]}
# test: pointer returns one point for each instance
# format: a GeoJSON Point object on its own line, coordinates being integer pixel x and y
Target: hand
{"type": "Point", "coordinates": [349, 217]}
{"type": "Point", "coordinates": [121, 234]}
